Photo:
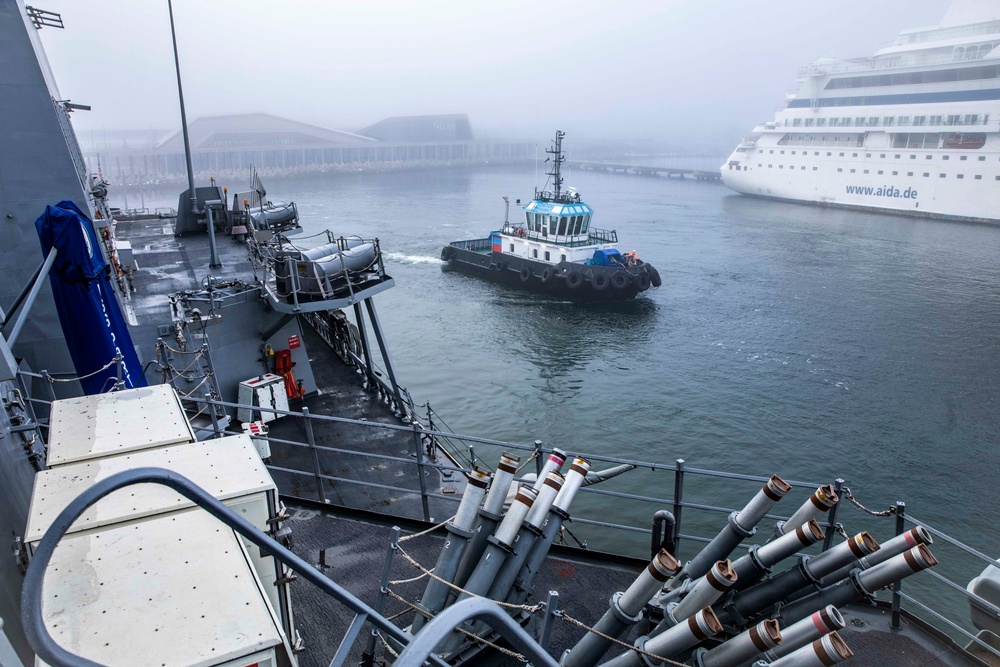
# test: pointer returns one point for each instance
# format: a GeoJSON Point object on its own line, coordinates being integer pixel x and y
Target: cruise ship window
{"type": "Point", "coordinates": [869, 155]}
{"type": "Point", "coordinates": [880, 172]}
{"type": "Point", "coordinates": [803, 167]}
{"type": "Point", "coordinates": [852, 171]}
{"type": "Point", "coordinates": [979, 177]}
{"type": "Point", "coordinates": [926, 174]}
{"type": "Point", "coordinates": [814, 168]}
{"type": "Point", "coordinates": [782, 152]}
{"type": "Point", "coordinates": [840, 169]}
{"type": "Point", "coordinates": [854, 154]}
{"type": "Point", "coordinates": [770, 166]}
{"type": "Point", "coordinates": [793, 152]}
{"type": "Point", "coordinates": [930, 157]}
{"type": "Point", "coordinates": [781, 166]}
{"type": "Point", "coordinates": [815, 152]}
{"type": "Point", "coordinates": [866, 171]}
{"type": "Point", "coordinates": [913, 157]}
{"type": "Point", "coordinates": [982, 158]}
{"type": "Point", "coordinates": [841, 155]}
{"type": "Point", "coordinates": [959, 176]}
{"type": "Point", "coordinates": [895, 173]}
{"type": "Point", "coordinates": [759, 164]}
{"type": "Point", "coordinates": [898, 156]}
{"type": "Point", "coordinates": [941, 175]}
{"type": "Point", "coordinates": [963, 157]}
{"type": "Point", "coordinates": [904, 120]}
{"type": "Point", "coordinates": [828, 153]}
{"type": "Point", "coordinates": [944, 157]}
{"type": "Point", "coordinates": [909, 173]}
{"type": "Point", "coordinates": [998, 178]}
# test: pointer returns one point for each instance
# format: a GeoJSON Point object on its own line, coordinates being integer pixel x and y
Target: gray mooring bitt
{"type": "Point", "coordinates": [459, 531]}
{"type": "Point", "coordinates": [862, 584]}
{"type": "Point", "coordinates": [625, 610]}
{"type": "Point", "coordinates": [740, 525]}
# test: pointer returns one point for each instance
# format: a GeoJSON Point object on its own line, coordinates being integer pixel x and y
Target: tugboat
{"type": "Point", "coordinates": [554, 250]}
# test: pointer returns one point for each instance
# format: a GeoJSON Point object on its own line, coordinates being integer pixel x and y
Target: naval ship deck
{"type": "Point", "coordinates": [355, 524]}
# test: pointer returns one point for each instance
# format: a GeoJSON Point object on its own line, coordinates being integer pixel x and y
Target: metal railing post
{"type": "Point", "coordinates": [551, 611]}
{"type": "Point", "coordinates": [678, 502]}
{"type": "Point", "coordinates": [311, 439]}
{"type": "Point", "coordinates": [538, 458]}
{"type": "Point", "coordinates": [897, 585]}
{"type": "Point", "coordinates": [368, 656]}
{"type": "Point", "coordinates": [418, 448]}
{"type": "Point", "coordinates": [215, 417]}
{"type": "Point", "coordinates": [830, 527]}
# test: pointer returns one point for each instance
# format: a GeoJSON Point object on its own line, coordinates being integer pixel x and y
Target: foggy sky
{"type": "Point", "coordinates": [668, 70]}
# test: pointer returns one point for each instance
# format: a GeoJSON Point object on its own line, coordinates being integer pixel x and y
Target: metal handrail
{"type": "Point", "coordinates": [31, 595]}
{"type": "Point", "coordinates": [442, 626]}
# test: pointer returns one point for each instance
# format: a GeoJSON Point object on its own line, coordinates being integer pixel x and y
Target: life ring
{"type": "Point", "coordinates": [525, 274]}
{"type": "Point", "coordinates": [642, 281]}
{"type": "Point", "coordinates": [654, 276]}
{"type": "Point", "coordinates": [447, 253]}
{"type": "Point", "coordinates": [574, 279]}
{"type": "Point", "coordinates": [600, 281]}
{"type": "Point", "coordinates": [547, 274]}
{"type": "Point", "coordinates": [620, 280]}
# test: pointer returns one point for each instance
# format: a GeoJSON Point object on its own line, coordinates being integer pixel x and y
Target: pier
{"type": "Point", "coordinates": [708, 175]}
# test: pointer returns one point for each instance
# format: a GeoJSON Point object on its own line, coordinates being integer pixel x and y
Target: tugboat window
{"type": "Point", "coordinates": [512, 247]}
{"type": "Point", "coordinates": [562, 226]}
{"type": "Point", "coordinates": [552, 224]}
{"type": "Point", "coordinates": [534, 253]}
{"type": "Point", "coordinates": [546, 255]}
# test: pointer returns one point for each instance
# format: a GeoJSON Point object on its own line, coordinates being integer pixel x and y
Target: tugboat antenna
{"type": "Point", "coordinates": [557, 160]}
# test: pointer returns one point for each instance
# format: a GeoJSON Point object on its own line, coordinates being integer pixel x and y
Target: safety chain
{"type": "Point", "coordinates": [426, 532]}
{"type": "Point", "coordinates": [630, 647]}
{"type": "Point", "coordinates": [534, 455]}
{"type": "Point", "coordinates": [850, 497]}
{"type": "Point", "coordinates": [531, 609]}
{"type": "Point", "coordinates": [83, 377]}
{"type": "Point", "coordinates": [471, 635]}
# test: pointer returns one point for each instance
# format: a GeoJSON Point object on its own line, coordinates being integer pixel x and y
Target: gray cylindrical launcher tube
{"type": "Point", "coordinates": [497, 549]}
{"type": "Point", "coordinates": [808, 572]}
{"type": "Point", "coordinates": [740, 525]}
{"type": "Point", "coordinates": [625, 610]}
{"type": "Point", "coordinates": [892, 547]}
{"type": "Point", "coordinates": [706, 591]}
{"type": "Point", "coordinates": [459, 531]}
{"type": "Point", "coordinates": [827, 650]}
{"type": "Point", "coordinates": [554, 462]}
{"type": "Point", "coordinates": [862, 584]}
{"type": "Point", "coordinates": [818, 504]}
{"type": "Point", "coordinates": [672, 641]}
{"type": "Point", "coordinates": [806, 631]}
{"type": "Point", "coordinates": [744, 646]}
{"type": "Point", "coordinates": [489, 516]}
{"type": "Point", "coordinates": [752, 567]}
{"type": "Point", "coordinates": [526, 535]}
{"type": "Point", "coordinates": [550, 528]}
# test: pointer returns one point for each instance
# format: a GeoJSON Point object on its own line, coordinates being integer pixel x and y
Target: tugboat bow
{"type": "Point", "coordinates": [555, 250]}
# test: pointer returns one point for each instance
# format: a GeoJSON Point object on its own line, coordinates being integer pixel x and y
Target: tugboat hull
{"type": "Point", "coordinates": [570, 281]}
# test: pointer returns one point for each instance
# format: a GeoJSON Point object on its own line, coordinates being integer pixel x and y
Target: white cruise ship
{"type": "Point", "coordinates": [913, 129]}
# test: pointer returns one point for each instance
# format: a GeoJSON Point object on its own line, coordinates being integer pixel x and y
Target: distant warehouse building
{"type": "Point", "coordinates": [229, 146]}
{"type": "Point", "coordinates": [417, 129]}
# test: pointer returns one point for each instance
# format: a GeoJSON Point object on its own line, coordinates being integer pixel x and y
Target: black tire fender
{"type": "Point", "coordinates": [547, 274]}
{"type": "Point", "coordinates": [574, 279]}
{"type": "Point", "coordinates": [447, 253]}
{"type": "Point", "coordinates": [620, 280]}
{"type": "Point", "coordinates": [600, 281]}
{"type": "Point", "coordinates": [642, 282]}
{"type": "Point", "coordinates": [654, 276]}
{"type": "Point", "coordinates": [525, 274]}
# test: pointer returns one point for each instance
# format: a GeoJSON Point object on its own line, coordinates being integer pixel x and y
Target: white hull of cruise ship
{"type": "Point", "coordinates": [915, 129]}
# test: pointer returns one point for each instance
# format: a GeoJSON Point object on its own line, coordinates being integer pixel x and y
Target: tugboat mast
{"type": "Point", "coordinates": [557, 159]}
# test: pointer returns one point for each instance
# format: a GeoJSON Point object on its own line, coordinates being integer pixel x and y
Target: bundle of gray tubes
{"type": "Point", "coordinates": [770, 606]}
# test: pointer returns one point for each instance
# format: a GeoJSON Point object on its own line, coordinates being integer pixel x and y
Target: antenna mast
{"type": "Point", "coordinates": [557, 160]}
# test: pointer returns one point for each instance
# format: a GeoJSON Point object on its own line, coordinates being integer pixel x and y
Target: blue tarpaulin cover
{"type": "Point", "coordinates": [91, 318]}
{"type": "Point", "coordinates": [610, 257]}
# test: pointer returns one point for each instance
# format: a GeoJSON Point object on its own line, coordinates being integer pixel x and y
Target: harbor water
{"type": "Point", "coordinates": [808, 342]}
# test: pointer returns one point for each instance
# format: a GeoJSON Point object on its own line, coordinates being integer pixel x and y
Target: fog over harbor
{"type": "Point", "coordinates": [684, 73]}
